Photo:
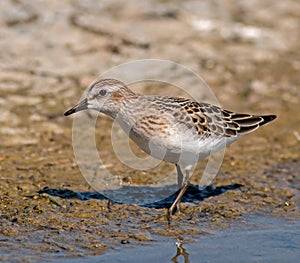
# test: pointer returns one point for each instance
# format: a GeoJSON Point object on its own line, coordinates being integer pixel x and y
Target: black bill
{"type": "Point", "coordinates": [80, 106]}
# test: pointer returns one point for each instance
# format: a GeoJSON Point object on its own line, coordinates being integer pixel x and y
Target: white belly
{"type": "Point", "coordinates": [186, 152]}
{"type": "Point", "coordinates": [181, 147]}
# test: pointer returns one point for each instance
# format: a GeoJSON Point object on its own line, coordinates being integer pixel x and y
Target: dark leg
{"type": "Point", "coordinates": [179, 176]}
{"type": "Point", "coordinates": [109, 204]}
{"type": "Point", "coordinates": [186, 185]}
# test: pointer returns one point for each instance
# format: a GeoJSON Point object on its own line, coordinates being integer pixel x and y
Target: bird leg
{"type": "Point", "coordinates": [109, 203]}
{"type": "Point", "coordinates": [179, 182]}
{"type": "Point", "coordinates": [179, 176]}
{"type": "Point", "coordinates": [185, 186]}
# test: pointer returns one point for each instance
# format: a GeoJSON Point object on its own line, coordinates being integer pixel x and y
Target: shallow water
{"type": "Point", "coordinates": [256, 239]}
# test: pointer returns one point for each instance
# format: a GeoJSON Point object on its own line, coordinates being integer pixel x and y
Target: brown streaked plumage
{"type": "Point", "coordinates": [176, 130]}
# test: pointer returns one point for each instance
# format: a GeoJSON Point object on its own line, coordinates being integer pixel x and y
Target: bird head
{"type": "Point", "coordinates": [106, 96]}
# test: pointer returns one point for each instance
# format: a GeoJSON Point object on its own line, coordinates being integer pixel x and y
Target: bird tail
{"type": "Point", "coordinates": [267, 118]}
{"type": "Point", "coordinates": [248, 123]}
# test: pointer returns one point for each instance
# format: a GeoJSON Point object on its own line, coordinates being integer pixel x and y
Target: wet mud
{"type": "Point", "coordinates": [50, 52]}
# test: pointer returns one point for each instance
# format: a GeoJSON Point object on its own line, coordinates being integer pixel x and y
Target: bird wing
{"type": "Point", "coordinates": [210, 120]}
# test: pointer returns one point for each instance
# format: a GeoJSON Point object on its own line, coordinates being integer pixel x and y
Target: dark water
{"type": "Point", "coordinates": [258, 239]}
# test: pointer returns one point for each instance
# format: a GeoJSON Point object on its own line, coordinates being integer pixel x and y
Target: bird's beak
{"type": "Point", "coordinates": [83, 105]}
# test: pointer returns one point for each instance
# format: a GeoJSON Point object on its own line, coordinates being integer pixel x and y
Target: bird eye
{"type": "Point", "coordinates": [102, 92]}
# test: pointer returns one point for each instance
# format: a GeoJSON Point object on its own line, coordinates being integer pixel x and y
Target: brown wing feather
{"type": "Point", "coordinates": [245, 122]}
{"type": "Point", "coordinates": [207, 119]}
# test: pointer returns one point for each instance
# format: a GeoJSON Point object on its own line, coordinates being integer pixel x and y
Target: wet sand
{"type": "Point", "coordinates": [50, 52]}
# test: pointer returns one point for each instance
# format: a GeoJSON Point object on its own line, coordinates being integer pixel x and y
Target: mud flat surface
{"type": "Point", "coordinates": [256, 239]}
{"type": "Point", "coordinates": [248, 53]}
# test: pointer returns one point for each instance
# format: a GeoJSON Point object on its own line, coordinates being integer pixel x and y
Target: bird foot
{"type": "Point", "coordinates": [171, 211]}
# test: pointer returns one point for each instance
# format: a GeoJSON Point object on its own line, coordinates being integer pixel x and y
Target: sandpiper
{"type": "Point", "coordinates": [176, 130]}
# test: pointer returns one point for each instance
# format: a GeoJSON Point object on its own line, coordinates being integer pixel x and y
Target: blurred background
{"type": "Point", "coordinates": [50, 51]}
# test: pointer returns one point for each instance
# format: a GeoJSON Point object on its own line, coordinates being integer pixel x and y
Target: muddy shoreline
{"type": "Point", "coordinates": [50, 52]}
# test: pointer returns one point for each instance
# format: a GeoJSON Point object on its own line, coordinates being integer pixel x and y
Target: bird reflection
{"type": "Point", "coordinates": [180, 252]}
